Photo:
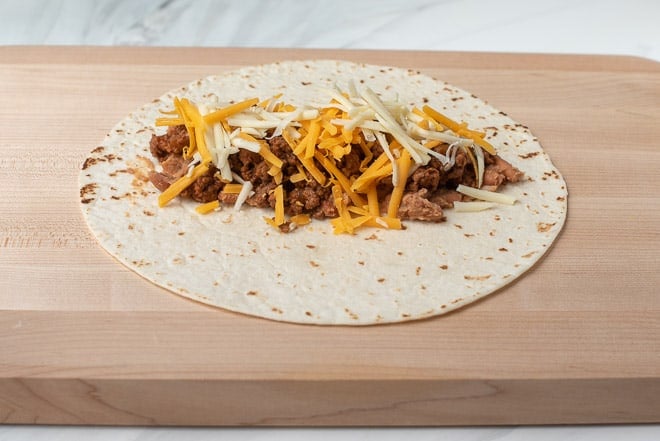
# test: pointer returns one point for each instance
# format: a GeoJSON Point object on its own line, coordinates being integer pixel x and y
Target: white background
{"type": "Point", "coordinates": [630, 27]}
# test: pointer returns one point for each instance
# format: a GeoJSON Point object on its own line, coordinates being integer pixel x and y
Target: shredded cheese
{"type": "Point", "coordinates": [320, 138]}
{"type": "Point", "coordinates": [208, 207]}
{"type": "Point", "coordinates": [279, 205]}
{"type": "Point", "coordinates": [230, 110]}
{"type": "Point", "coordinates": [232, 188]}
{"type": "Point", "coordinates": [403, 165]}
{"type": "Point", "coordinates": [459, 129]}
{"type": "Point", "coordinates": [485, 195]}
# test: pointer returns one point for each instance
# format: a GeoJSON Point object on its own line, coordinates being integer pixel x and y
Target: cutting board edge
{"type": "Point", "coordinates": [296, 403]}
{"type": "Point", "coordinates": [162, 55]}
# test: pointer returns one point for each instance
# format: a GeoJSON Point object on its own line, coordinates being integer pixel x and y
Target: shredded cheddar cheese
{"type": "Point", "coordinates": [208, 207]}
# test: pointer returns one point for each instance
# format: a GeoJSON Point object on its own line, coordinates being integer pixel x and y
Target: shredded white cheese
{"type": "Point", "coordinates": [485, 195]}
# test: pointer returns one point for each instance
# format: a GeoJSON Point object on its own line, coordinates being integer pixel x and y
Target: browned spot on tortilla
{"type": "Point", "coordinates": [251, 293]}
{"type": "Point", "coordinates": [550, 174]}
{"type": "Point", "coordinates": [305, 83]}
{"type": "Point", "coordinates": [140, 169]}
{"type": "Point", "coordinates": [443, 267]}
{"type": "Point", "coordinates": [314, 264]}
{"type": "Point", "coordinates": [372, 237]}
{"type": "Point", "coordinates": [351, 314]}
{"type": "Point", "coordinates": [460, 227]}
{"type": "Point", "coordinates": [503, 249]}
{"type": "Point", "coordinates": [561, 198]}
{"type": "Point", "coordinates": [405, 315]}
{"type": "Point", "coordinates": [491, 233]}
{"type": "Point", "coordinates": [181, 233]}
{"type": "Point", "coordinates": [88, 188]}
{"type": "Point", "coordinates": [480, 278]}
{"type": "Point", "coordinates": [468, 234]}
{"type": "Point", "coordinates": [361, 262]}
{"type": "Point", "coordinates": [423, 287]}
{"type": "Point", "coordinates": [131, 226]}
{"type": "Point", "coordinates": [148, 213]}
{"type": "Point", "coordinates": [310, 246]}
{"type": "Point", "coordinates": [443, 306]}
{"type": "Point", "coordinates": [381, 279]}
{"type": "Point", "coordinates": [98, 149]}
{"type": "Point", "coordinates": [399, 253]}
{"type": "Point", "coordinates": [460, 299]}
{"type": "Point", "coordinates": [308, 314]}
{"type": "Point", "coordinates": [497, 217]}
{"type": "Point", "coordinates": [91, 161]}
{"type": "Point", "coordinates": [418, 270]}
{"type": "Point", "coordinates": [510, 240]}
{"type": "Point", "coordinates": [488, 258]}
{"type": "Point", "coordinates": [528, 255]}
{"type": "Point", "coordinates": [529, 155]}
{"type": "Point", "coordinates": [114, 173]}
{"type": "Point", "coordinates": [86, 201]}
{"type": "Point", "coordinates": [543, 227]}
{"type": "Point", "coordinates": [277, 310]}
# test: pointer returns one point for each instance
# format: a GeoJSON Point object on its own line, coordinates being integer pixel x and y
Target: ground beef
{"type": "Point", "coordinates": [416, 206]}
{"type": "Point", "coordinates": [424, 177]}
{"type": "Point", "coordinates": [512, 174]}
{"type": "Point", "coordinates": [493, 177]}
{"type": "Point", "coordinates": [282, 150]}
{"type": "Point", "coordinates": [326, 209]}
{"type": "Point", "coordinates": [445, 198]}
{"type": "Point", "coordinates": [205, 188]}
{"type": "Point", "coordinates": [500, 171]}
{"type": "Point", "coordinates": [455, 174]}
{"type": "Point", "coordinates": [160, 180]}
{"type": "Point", "coordinates": [350, 163]}
{"type": "Point", "coordinates": [175, 166]}
{"type": "Point", "coordinates": [173, 141]}
{"type": "Point", "coordinates": [227, 198]}
{"type": "Point", "coordinates": [260, 198]}
{"type": "Point", "coordinates": [309, 199]}
{"type": "Point", "coordinates": [429, 189]}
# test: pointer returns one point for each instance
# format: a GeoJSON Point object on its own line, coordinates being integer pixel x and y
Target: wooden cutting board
{"type": "Point", "coordinates": [575, 340]}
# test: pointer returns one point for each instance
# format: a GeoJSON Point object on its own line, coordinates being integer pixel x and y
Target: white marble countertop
{"type": "Point", "coordinates": [552, 26]}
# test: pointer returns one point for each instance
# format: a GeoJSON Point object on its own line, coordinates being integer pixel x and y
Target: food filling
{"type": "Point", "coordinates": [359, 160]}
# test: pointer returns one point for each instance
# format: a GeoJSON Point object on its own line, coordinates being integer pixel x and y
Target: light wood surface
{"type": "Point", "coordinates": [575, 340]}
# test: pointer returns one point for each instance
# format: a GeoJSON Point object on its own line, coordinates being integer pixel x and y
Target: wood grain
{"type": "Point", "coordinates": [85, 341]}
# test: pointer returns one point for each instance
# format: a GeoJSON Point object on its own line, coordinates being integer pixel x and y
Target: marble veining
{"type": "Point", "coordinates": [559, 26]}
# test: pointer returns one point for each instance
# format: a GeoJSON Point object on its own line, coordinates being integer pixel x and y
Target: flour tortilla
{"type": "Point", "coordinates": [235, 261]}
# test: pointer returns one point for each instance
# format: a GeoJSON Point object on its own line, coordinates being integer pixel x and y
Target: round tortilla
{"type": "Point", "coordinates": [234, 260]}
